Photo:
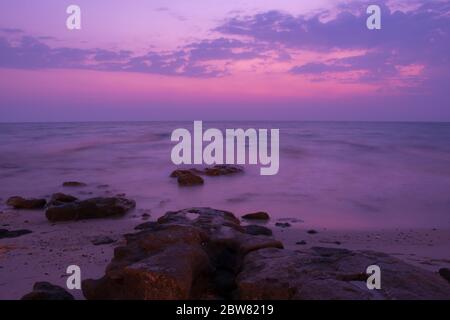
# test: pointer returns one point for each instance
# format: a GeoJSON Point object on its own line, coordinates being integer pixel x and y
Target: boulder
{"type": "Point", "coordinates": [193, 253]}
{"type": "Point", "coordinates": [330, 273]}
{"type": "Point", "coordinates": [22, 203]}
{"type": "Point", "coordinates": [187, 178]}
{"type": "Point", "coordinates": [47, 291]}
{"type": "Point", "coordinates": [261, 215]}
{"type": "Point", "coordinates": [93, 208]}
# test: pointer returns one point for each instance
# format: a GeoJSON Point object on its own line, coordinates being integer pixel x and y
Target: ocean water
{"type": "Point", "coordinates": [332, 174]}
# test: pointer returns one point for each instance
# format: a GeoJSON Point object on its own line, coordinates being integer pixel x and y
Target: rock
{"type": "Point", "coordinates": [93, 208]}
{"type": "Point", "coordinates": [193, 253]}
{"type": "Point", "coordinates": [100, 240]}
{"type": "Point", "coordinates": [13, 234]}
{"type": "Point", "coordinates": [222, 170]}
{"type": "Point", "coordinates": [445, 273]}
{"type": "Point", "coordinates": [187, 178]}
{"type": "Point", "coordinates": [257, 230]}
{"type": "Point", "coordinates": [145, 225]}
{"type": "Point", "coordinates": [22, 203]}
{"type": "Point", "coordinates": [331, 273]}
{"type": "Point", "coordinates": [256, 216]}
{"type": "Point", "coordinates": [47, 291]}
{"type": "Point", "coordinates": [74, 184]}
{"type": "Point", "coordinates": [283, 224]}
{"type": "Point", "coordinates": [61, 198]}
{"type": "Point", "coordinates": [301, 243]}
{"type": "Point", "coordinates": [312, 231]}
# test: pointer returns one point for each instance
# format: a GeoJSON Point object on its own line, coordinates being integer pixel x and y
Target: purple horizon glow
{"type": "Point", "coordinates": [283, 60]}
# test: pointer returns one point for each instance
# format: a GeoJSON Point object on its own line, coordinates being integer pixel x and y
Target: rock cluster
{"type": "Point", "coordinates": [192, 177]}
{"type": "Point", "coordinates": [93, 208]}
{"type": "Point", "coordinates": [203, 253]}
{"type": "Point", "coordinates": [192, 253]}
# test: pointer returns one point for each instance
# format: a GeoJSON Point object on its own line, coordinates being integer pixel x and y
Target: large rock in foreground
{"type": "Point", "coordinates": [47, 291]}
{"type": "Point", "coordinates": [330, 273]}
{"type": "Point", "coordinates": [203, 253]}
{"type": "Point", "coordinates": [22, 203]}
{"type": "Point", "coordinates": [188, 254]}
{"type": "Point", "coordinates": [94, 208]}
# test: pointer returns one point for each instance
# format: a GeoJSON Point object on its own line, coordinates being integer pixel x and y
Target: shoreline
{"type": "Point", "coordinates": [45, 254]}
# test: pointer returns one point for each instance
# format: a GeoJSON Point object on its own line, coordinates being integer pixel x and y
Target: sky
{"type": "Point", "coordinates": [224, 60]}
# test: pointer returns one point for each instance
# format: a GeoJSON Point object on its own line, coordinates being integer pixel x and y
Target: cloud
{"type": "Point", "coordinates": [420, 36]}
{"type": "Point", "coordinates": [11, 30]}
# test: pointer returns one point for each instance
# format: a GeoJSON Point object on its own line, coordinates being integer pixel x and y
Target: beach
{"type": "Point", "coordinates": [344, 186]}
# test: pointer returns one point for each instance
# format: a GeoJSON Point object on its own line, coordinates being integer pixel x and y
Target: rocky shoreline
{"type": "Point", "coordinates": [206, 253]}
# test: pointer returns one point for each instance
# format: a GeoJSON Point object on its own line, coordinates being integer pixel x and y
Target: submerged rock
{"type": "Point", "coordinates": [13, 234]}
{"type": "Point", "coordinates": [22, 203]}
{"type": "Point", "coordinates": [47, 291]}
{"type": "Point", "coordinates": [93, 208]}
{"type": "Point", "coordinates": [256, 216]}
{"type": "Point", "coordinates": [283, 224]}
{"type": "Point", "coordinates": [222, 170]}
{"type": "Point", "coordinates": [187, 178]}
{"type": "Point", "coordinates": [74, 184]}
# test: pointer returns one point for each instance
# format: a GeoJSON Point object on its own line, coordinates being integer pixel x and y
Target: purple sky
{"type": "Point", "coordinates": [173, 60]}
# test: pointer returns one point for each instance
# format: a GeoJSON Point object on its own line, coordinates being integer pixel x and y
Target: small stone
{"type": "Point", "coordinates": [13, 234]}
{"type": "Point", "coordinates": [312, 231]}
{"type": "Point", "coordinates": [261, 215]}
{"type": "Point", "coordinates": [100, 240]}
{"type": "Point", "coordinates": [283, 224]}
{"type": "Point", "coordinates": [74, 184]}
{"type": "Point", "coordinates": [22, 203]}
{"type": "Point", "coordinates": [301, 243]}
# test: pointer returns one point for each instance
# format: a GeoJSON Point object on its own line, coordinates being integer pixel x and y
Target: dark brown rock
{"type": "Point", "coordinates": [187, 178]}
{"type": "Point", "coordinates": [61, 198]}
{"type": "Point", "coordinates": [74, 184]}
{"type": "Point", "coordinates": [13, 234]}
{"type": "Point", "coordinates": [93, 208]}
{"type": "Point", "coordinates": [445, 273]}
{"type": "Point", "coordinates": [188, 254]}
{"type": "Point", "coordinates": [283, 224]}
{"type": "Point", "coordinates": [47, 291]}
{"type": "Point", "coordinates": [222, 170]}
{"type": "Point", "coordinates": [22, 203]}
{"type": "Point", "coordinates": [256, 216]}
{"type": "Point", "coordinates": [330, 273]}
{"type": "Point", "coordinates": [257, 230]}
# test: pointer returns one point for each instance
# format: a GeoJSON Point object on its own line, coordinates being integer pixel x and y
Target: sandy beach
{"type": "Point", "coordinates": [44, 254]}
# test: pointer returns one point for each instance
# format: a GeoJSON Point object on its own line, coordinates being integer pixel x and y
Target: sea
{"type": "Point", "coordinates": [342, 175]}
